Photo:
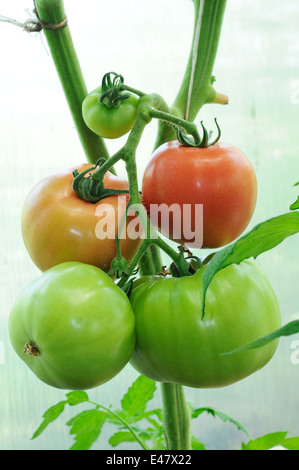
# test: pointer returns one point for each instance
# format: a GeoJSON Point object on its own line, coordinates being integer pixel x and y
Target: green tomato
{"type": "Point", "coordinates": [108, 122]}
{"type": "Point", "coordinates": [73, 327]}
{"type": "Point", "coordinates": [175, 344]}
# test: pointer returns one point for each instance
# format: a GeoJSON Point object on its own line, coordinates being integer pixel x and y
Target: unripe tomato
{"type": "Point", "coordinates": [58, 226]}
{"type": "Point", "coordinates": [108, 122]}
{"type": "Point", "coordinates": [73, 327]}
{"type": "Point", "coordinates": [219, 177]}
{"type": "Point", "coordinates": [175, 344]}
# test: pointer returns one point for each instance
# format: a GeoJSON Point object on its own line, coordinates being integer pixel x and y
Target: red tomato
{"type": "Point", "coordinates": [58, 226]}
{"type": "Point", "coordinates": [219, 177]}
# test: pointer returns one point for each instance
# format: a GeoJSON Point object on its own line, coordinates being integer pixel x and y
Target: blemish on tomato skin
{"type": "Point", "coordinates": [32, 349]}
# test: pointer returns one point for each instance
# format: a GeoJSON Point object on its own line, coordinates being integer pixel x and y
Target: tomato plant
{"type": "Point", "coordinates": [73, 326]}
{"type": "Point", "coordinates": [220, 177]}
{"type": "Point", "coordinates": [59, 226]}
{"type": "Point", "coordinates": [109, 122]}
{"type": "Point", "coordinates": [175, 344]}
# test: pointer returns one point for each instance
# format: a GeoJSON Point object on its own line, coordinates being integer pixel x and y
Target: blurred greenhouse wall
{"type": "Point", "coordinates": [257, 66]}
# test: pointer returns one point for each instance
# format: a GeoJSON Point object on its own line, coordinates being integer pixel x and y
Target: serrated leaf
{"type": "Point", "coordinates": [286, 330]}
{"type": "Point", "coordinates": [261, 238]}
{"type": "Point", "coordinates": [86, 420]}
{"type": "Point", "coordinates": [114, 418]}
{"type": "Point", "coordinates": [76, 397]}
{"type": "Point", "coordinates": [120, 437]}
{"type": "Point", "coordinates": [292, 443]}
{"type": "Point", "coordinates": [49, 416]}
{"type": "Point", "coordinates": [134, 402]}
{"type": "Point", "coordinates": [219, 414]}
{"type": "Point", "coordinates": [86, 440]}
{"type": "Point", "coordinates": [148, 415]}
{"type": "Point", "coordinates": [265, 442]}
{"type": "Point", "coordinates": [87, 426]}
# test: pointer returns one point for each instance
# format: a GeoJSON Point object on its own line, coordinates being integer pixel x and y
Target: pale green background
{"type": "Point", "coordinates": [148, 42]}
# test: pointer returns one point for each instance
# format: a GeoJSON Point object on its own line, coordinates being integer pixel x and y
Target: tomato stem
{"type": "Point", "coordinates": [151, 261]}
{"type": "Point", "coordinates": [127, 153]}
{"type": "Point", "coordinates": [125, 87]}
{"type": "Point", "coordinates": [126, 276]}
{"type": "Point", "coordinates": [197, 86]}
{"type": "Point", "coordinates": [177, 122]}
{"type": "Point", "coordinates": [176, 417]}
{"type": "Point", "coordinates": [123, 422]}
{"type": "Point", "coordinates": [70, 74]}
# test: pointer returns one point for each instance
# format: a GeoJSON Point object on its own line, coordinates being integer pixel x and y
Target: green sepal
{"type": "Point", "coordinates": [195, 140]}
{"type": "Point", "coordinates": [119, 267]}
{"type": "Point", "coordinates": [112, 95]}
{"type": "Point", "coordinates": [89, 188]}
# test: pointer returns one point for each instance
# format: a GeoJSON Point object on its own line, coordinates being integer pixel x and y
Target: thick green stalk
{"type": "Point", "coordinates": [197, 85]}
{"type": "Point", "coordinates": [176, 417]}
{"type": "Point", "coordinates": [166, 132]}
{"type": "Point", "coordinates": [70, 74]}
{"type": "Point", "coordinates": [156, 261]}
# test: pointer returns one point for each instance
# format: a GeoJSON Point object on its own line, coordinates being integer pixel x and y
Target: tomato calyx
{"type": "Point", "coordinates": [32, 349]}
{"type": "Point", "coordinates": [119, 267]}
{"type": "Point", "coordinates": [112, 95]}
{"type": "Point", "coordinates": [196, 140]}
{"type": "Point", "coordinates": [182, 267]}
{"type": "Point", "coordinates": [89, 188]}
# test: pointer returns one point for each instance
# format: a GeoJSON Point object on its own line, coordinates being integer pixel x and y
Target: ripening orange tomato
{"type": "Point", "coordinates": [58, 226]}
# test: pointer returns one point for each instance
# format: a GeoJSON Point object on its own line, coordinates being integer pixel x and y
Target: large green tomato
{"type": "Point", "coordinates": [173, 342]}
{"type": "Point", "coordinates": [73, 327]}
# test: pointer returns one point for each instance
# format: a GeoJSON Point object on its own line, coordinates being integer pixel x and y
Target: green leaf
{"type": "Point", "coordinates": [134, 402]}
{"type": "Point", "coordinates": [87, 426]}
{"type": "Point", "coordinates": [261, 238]}
{"type": "Point", "coordinates": [148, 416]}
{"type": "Point", "coordinates": [115, 416]}
{"type": "Point", "coordinates": [286, 330]}
{"type": "Point", "coordinates": [292, 443]}
{"type": "Point", "coordinates": [159, 443]}
{"type": "Point", "coordinates": [196, 444]}
{"type": "Point", "coordinates": [295, 205]}
{"type": "Point", "coordinates": [49, 416]}
{"type": "Point", "coordinates": [219, 414]}
{"type": "Point", "coordinates": [120, 437]}
{"type": "Point", "coordinates": [76, 397]}
{"type": "Point", "coordinates": [265, 442]}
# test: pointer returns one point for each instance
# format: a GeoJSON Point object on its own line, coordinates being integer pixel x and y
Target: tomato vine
{"type": "Point", "coordinates": [174, 122]}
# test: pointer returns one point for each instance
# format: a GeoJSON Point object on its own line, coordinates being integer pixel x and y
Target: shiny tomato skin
{"type": "Point", "coordinates": [58, 226]}
{"type": "Point", "coordinates": [175, 344]}
{"type": "Point", "coordinates": [106, 122]}
{"type": "Point", "coordinates": [220, 177]}
{"type": "Point", "coordinates": [73, 327]}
